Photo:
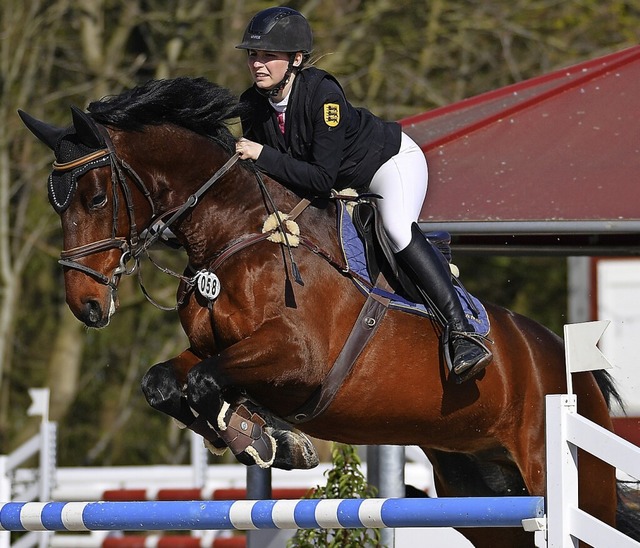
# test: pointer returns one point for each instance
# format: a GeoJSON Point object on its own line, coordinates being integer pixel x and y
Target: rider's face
{"type": "Point", "coordinates": [267, 67]}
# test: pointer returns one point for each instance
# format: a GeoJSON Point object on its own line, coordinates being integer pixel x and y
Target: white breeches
{"type": "Point", "coordinates": [402, 183]}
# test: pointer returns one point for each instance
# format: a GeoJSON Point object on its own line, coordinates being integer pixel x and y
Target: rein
{"type": "Point", "coordinates": [130, 247]}
{"type": "Point", "coordinates": [190, 203]}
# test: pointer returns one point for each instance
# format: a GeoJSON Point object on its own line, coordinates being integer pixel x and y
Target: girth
{"type": "Point", "coordinates": [365, 327]}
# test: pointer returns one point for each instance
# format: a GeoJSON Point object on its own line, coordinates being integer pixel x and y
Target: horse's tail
{"type": "Point", "coordinates": [608, 388]}
{"type": "Point", "coordinates": [628, 511]}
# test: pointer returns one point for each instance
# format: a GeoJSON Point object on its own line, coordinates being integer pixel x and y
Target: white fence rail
{"type": "Point", "coordinates": [566, 432]}
{"type": "Point", "coordinates": [44, 445]}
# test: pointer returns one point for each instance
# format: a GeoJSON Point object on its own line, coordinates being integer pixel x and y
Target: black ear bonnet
{"type": "Point", "coordinates": [63, 183]}
{"type": "Point", "coordinates": [69, 144]}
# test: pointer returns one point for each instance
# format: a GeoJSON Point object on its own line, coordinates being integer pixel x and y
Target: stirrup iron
{"type": "Point", "coordinates": [448, 336]}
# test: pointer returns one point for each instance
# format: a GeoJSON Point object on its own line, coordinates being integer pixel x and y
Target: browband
{"type": "Point", "coordinates": [66, 166]}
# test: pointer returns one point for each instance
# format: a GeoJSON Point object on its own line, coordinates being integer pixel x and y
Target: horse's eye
{"type": "Point", "coordinates": [98, 201]}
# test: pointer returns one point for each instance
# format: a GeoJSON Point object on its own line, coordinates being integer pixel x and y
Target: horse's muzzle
{"type": "Point", "coordinates": [92, 314]}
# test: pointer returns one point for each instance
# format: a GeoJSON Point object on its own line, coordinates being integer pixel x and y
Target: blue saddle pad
{"type": "Point", "coordinates": [354, 255]}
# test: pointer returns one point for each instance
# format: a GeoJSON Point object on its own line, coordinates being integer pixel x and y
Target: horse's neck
{"type": "Point", "coordinates": [316, 219]}
{"type": "Point", "coordinates": [235, 206]}
{"type": "Point", "coordinates": [219, 214]}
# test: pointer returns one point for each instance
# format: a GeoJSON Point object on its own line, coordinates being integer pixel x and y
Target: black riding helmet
{"type": "Point", "coordinates": [278, 29]}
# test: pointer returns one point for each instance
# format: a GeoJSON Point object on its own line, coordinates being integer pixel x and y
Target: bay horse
{"type": "Point", "coordinates": [270, 319]}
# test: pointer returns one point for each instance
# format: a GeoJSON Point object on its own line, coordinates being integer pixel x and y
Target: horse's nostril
{"type": "Point", "coordinates": [93, 315]}
{"type": "Point", "coordinates": [93, 311]}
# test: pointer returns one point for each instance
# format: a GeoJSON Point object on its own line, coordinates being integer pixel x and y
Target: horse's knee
{"type": "Point", "coordinates": [162, 390]}
{"type": "Point", "coordinates": [203, 391]}
{"type": "Point", "coordinates": [164, 393]}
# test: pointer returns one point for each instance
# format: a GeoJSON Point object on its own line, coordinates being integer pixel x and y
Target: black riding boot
{"type": "Point", "coordinates": [427, 266]}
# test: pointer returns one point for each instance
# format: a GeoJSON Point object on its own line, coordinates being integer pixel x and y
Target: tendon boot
{"type": "Point", "coordinates": [464, 351]}
{"type": "Point", "coordinates": [244, 433]}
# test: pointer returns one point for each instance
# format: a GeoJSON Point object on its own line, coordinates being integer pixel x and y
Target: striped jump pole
{"type": "Point", "coordinates": [270, 514]}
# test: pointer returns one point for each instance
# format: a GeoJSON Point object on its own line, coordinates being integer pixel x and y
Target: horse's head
{"type": "Point", "coordinates": [167, 143]}
{"type": "Point", "coordinates": [87, 188]}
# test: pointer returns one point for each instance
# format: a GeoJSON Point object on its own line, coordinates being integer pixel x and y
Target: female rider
{"type": "Point", "coordinates": [300, 130]}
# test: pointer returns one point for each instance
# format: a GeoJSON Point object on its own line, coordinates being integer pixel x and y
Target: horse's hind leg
{"type": "Point", "coordinates": [597, 485]}
{"type": "Point", "coordinates": [596, 478]}
{"type": "Point", "coordinates": [464, 475]}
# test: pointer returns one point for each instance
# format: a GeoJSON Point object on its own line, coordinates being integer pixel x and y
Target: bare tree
{"type": "Point", "coordinates": [26, 58]}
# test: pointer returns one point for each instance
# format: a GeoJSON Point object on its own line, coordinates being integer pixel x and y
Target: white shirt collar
{"type": "Point", "coordinates": [280, 106]}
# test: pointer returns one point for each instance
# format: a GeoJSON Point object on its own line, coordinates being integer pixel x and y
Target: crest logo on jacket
{"type": "Point", "coordinates": [331, 114]}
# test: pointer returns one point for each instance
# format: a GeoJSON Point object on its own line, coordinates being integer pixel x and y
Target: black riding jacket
{"type": "Point", "coordinates": [327, 143]}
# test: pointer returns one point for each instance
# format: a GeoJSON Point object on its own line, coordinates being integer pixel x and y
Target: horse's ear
{"type": "Point", "coordinates": [47, 133]}
{"type": "Point", "coordinates": [86, 129]}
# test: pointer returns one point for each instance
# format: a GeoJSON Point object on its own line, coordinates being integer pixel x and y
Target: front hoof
{"type": "Point", "coordinates": [294, 450]}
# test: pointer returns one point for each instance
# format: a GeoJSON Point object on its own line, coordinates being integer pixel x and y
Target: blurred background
{"type": "Point", "coordinates": [398, 58]}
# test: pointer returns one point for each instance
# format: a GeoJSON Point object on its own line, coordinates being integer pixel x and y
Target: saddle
{"type": "Point", "coordinates": [380, 258]}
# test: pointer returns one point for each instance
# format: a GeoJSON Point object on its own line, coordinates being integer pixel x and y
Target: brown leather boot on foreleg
{"type": "Point", "coordinates": [244, 433]}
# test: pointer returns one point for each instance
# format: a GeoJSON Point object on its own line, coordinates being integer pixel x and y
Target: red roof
{"type": "Point", "coordinates": [559, 153]}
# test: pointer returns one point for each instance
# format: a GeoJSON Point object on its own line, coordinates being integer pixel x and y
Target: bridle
{"type": "Point", "coordinates": [127, 245]}
{"type": "Point", "coordinates": [131, 247]}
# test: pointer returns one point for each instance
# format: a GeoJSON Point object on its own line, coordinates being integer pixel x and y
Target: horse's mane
{"type": "Point", "coordinates": [192, 103]}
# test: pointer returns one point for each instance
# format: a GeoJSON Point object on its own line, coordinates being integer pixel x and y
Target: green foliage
{"type": "Point", "coordinates": [345, 480]}
{"type": "Point", "coordinates": [532, 286]}
{"type": "Point", "coordinates": [404, 57]}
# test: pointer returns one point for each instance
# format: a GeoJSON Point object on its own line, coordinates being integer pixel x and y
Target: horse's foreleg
{"type": "Point", "coordinates": [163, 387]}
{"type": "Point", "coordinates": [235, 426]}
{"type": "Point", "coordinates": [294, 450]}
{"type": "Point", "coordinates": [254, 435]}
{"type": "Point", "coordinates": [241, 430]}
